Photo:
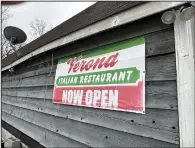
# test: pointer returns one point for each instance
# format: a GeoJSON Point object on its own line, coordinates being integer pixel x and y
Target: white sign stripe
{"type": "Point", "coordinates": [125, 60]}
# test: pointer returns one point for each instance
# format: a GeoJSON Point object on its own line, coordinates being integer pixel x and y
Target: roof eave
{"type": "Point", "coordinates": [116, 20]}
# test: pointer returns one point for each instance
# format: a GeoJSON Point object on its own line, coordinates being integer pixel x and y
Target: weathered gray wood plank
{"type": "Point", "coordinates": [157, 42]}
{"type": "Point", "coordinates": [166, 44]}
{"type": "Point", "coordinates": [24, 93]}
{"type": "Point", "coordinates": [157, 69]}
{"type": "Point", "coordinates": [30, 93]}
{"type": "Point", "coordinates": [161, 130]}
{"type": "Point", "coordinates": [161, 42]}
{"type": "Point", "coordinates": [161, 68]}
{"type": "Point", "coordinates": [42, 71]}
{"type": "Point", "coordinates": [37, 80]}
{"type": "Point", "coordinates": [81, 112]}
{"type": "Point", "coordinates": [52, 139]}
{"type": "Point", "coordinates": [161, 94]}
{"type": "Point", "coordinates": [91, 135]}
{"type": "Point", "coordinates": [158, 94]}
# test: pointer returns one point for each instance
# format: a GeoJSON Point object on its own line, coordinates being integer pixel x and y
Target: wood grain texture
{"type": "Point", "coordinates": [130, 123]}
{"type": "Point", "coordinates": [38, 105]}
{"type": "Point", "coordinates": [67, 127]}
{"type": "Point", "coordinates": [160, 95]}
{"type": "Point", "coordinates": [44, 136]}
{"type": "Point", "coordinates": [25, 98]}
{"type": "Point", "coordinates": [158, 43]}
{"type": "Point", "coordinates": [157, 69]}
{"type": "Point", "coordinates": [131, 30]}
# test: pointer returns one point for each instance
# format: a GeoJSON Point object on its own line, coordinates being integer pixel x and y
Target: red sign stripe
{"type": "Point", "coordinates": [129, 98]}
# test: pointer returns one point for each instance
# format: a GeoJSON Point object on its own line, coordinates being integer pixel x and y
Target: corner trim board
{"type": "Point", "coordinates": [185, 62]}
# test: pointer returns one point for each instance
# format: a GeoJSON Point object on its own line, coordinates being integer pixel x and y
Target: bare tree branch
{"type": "Point", "coordinates": [38, 28]}
{"type": "Point", "coordinates": [6, 48]}
{"type": "Point", "coordinates": [5, 15]}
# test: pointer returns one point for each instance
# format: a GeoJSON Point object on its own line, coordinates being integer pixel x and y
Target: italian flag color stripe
{"type": "Point", "coordinates": [110, 77]}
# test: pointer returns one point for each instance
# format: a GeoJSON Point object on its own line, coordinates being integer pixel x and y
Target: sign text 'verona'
{"type": "Point", "coordinates": [111, 77]}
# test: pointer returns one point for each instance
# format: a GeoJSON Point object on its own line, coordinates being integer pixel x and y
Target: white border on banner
{"type": "Point", "coordinates": [123, 110]}
{"type": "Point", "coordinates": [60, 72]}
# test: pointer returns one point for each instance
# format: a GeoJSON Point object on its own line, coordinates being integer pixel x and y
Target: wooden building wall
{"type": "Point", "coordinates": [27, 96]}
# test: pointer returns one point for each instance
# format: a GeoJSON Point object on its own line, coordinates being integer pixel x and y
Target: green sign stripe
{"type": "Point", "coordinates": [119, 76]}
{"type": "Point", "coordinates": [108, 48]}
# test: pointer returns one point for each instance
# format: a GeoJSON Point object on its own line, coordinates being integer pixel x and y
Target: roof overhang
{"type": "Point", "coordinates": [127, 16]}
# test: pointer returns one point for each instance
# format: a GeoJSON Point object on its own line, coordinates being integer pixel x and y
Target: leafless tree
{"type": "Point", "coordinates": [5, 12]}
{"type": "Point", "coordinates": [5, 45]}
{"type": "Point", "coordinates": [38, 28]}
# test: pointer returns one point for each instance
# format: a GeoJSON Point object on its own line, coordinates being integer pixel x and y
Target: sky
{"type": "Point", "coordinates": [53, 13]}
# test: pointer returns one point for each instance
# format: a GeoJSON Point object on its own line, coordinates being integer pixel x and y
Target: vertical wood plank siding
{"type": "Point", "coordinates": [27, 96]}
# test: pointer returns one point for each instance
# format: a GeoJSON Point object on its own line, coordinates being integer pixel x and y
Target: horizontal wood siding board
{"type": "Point", "coordinates": [147, 118]}
{"type": "Point", "coordinates": [91, 135]}
{"type": "Point", "coordinates": [41, 71]}
{"type": "Point", "coordinates": [157, 69]}
{"type": "Point", "coordinates": [38, 133]}
{"type": "Point", "coordinates": [160, 47]}
{"type": "Point", "coordinates": [25, 97]}
{"type": "Point", "coordinates": [158, 43]}
{"type": "Point", "coordinates": [162, 129]}
{"type": "Point", "coordinates": [160, 95]}
{"type": "Point", "coordinates": [162, 101]}
{"type": "Point", "coordinates": [81, 112]}
{"type": "Point", "coordinates": [161, 68]}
